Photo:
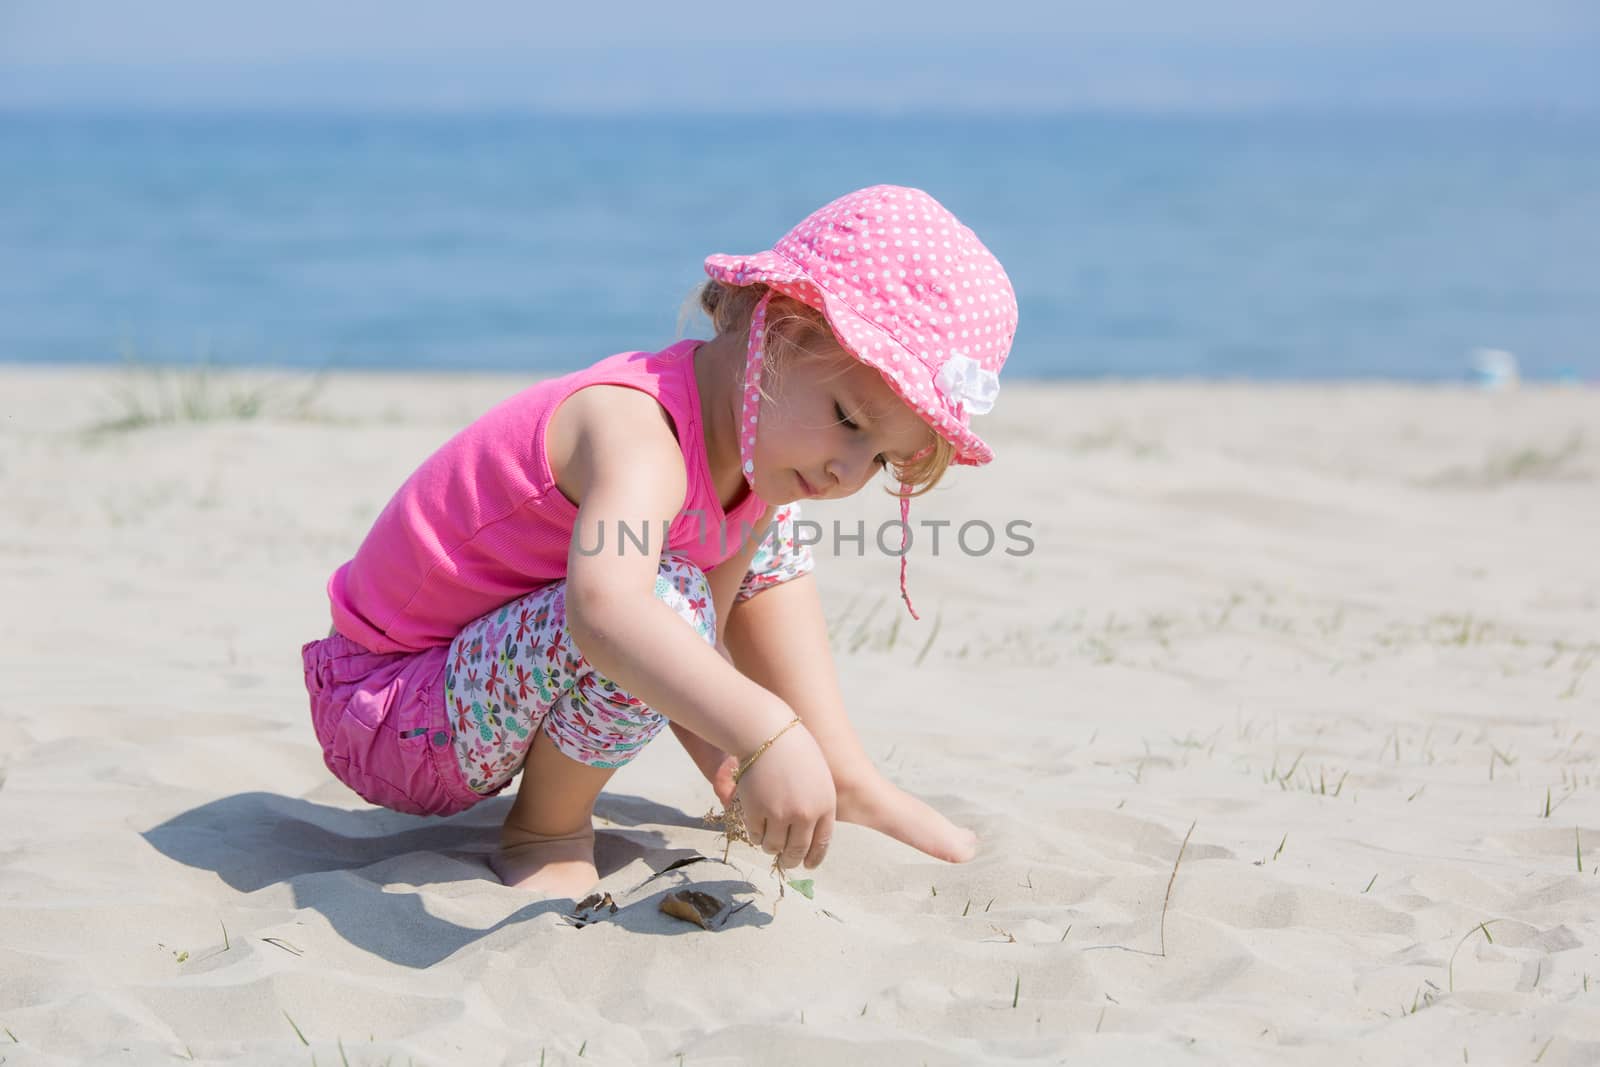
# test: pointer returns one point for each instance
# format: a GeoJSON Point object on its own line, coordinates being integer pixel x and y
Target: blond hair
{"type": "Point", "coordinates": [795, 332]}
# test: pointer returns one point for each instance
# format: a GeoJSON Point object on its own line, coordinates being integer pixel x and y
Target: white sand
{"type": "Point", "coordinates": [1350, 632]}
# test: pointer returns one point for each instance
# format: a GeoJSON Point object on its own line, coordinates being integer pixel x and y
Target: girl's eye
{"type": "Point", "coordinates": [880, 459]}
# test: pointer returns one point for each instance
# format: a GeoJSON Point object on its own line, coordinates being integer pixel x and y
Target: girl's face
{"type": "Point", "coordinates": [830, 424]}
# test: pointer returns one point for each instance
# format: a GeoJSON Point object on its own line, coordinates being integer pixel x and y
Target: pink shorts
{"type": "Point", "coordinates": [380, 718]}
{"type": "Point", "coordinates": [435, 732]}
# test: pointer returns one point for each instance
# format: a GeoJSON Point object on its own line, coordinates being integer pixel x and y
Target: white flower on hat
{"type": "Point", "coordinates": [967, 383]}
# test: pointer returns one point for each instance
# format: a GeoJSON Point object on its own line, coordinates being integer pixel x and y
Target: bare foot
{"type": "Point", "coordinates": [557, 865]}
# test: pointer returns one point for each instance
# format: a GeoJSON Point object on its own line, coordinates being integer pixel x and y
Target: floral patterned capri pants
{"type": "Point", "coordinates": [515, 670]}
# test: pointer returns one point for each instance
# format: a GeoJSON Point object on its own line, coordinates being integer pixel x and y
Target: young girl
{"type": "Point", "coordinates": [514, 608]}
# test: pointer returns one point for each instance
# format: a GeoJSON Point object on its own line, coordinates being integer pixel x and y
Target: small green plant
{"type": "Point", "coordinates": [1450, 969]}
{"type": "Point", "coordinates": [153, 395]}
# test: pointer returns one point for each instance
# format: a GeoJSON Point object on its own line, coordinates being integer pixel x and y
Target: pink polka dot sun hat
{"type": "Point", "coordinates": [909, 291]}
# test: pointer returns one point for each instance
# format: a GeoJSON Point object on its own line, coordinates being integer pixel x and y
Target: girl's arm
{"type": "Point", "coordinates": [625, 467]}
{"type": "Point", "coordinates": [779, 640]}
{"type": "Point", "coordinates": [724, 580]}
{"type": "Point", "coordinates": [622, 464]}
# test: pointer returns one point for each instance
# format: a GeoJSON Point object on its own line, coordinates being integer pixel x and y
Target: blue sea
{"type": "Point", "coordinates": [1246, 247]}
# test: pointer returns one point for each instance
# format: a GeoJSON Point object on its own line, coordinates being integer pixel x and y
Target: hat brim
{"type": "Point", "coordinates": [899, 366]}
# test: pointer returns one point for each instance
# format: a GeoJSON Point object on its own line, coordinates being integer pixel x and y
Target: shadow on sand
{"type": "Point", "coordinates": [339, 861]}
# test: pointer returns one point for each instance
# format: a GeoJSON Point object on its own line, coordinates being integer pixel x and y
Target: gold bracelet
{"type": "Point", "coordinates": [748, 760]}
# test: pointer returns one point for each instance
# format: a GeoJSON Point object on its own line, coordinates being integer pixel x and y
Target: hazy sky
{"type": "Point", "coordinates": [638, 55]}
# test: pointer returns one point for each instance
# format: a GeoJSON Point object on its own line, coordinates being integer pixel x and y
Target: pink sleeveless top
{"type": "Point", "coordinates": [482, 521]}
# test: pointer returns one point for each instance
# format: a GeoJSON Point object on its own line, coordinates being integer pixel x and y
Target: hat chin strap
{"type": "Point", "coordinates": [756, 357]}
{"type": "Point", "coordinates": [905, 533]}
{"type": "Point", "coordinates": [905, 545]}
{"type": "Point", "coordinates": [751, 408]}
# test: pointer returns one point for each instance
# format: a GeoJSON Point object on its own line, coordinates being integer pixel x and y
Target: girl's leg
{"type": "Point", "coordinates": [781, 556]}
{"type": "Point", "coordinates": [523, 698]}
{"type": "Point", "coordinates": [547, 842]}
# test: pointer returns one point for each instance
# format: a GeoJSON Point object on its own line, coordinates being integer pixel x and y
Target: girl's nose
{"type": "Point", "coordinates": [851, 471]}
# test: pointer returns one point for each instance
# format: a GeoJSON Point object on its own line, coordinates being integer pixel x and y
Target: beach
{"type": "Point", "coordinates": [1280, 739]}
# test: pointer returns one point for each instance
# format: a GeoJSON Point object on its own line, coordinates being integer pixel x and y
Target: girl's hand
{"type": "Point", "coordinates": [872, 800]}
{"type": "Point", "coordinates": [788, 800]}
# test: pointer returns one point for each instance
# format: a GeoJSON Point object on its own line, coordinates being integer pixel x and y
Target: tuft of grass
{"type": "Point", "coordinates": [1577, 841]}
{"type": "Point", "coordinates": [1450, 969]}
{"type": "Point", "coordinates": [1419, 1000]}
{"type": "Point", "coordinates": [297, 1032]}
{"type": "Point", "coordinates": [1170, 879]}
{"type": "Point", "coordinates": [861, 635]}
{"type": "Point", "coordinates": [1504, 466]}
{"type": "Point", "coordinates": [153, 395]}
{"type": "Point", "coordinates": [1371, 883]}
{"type": "Point", "coordinates": [1016, 991]}
{"type": "Point", "coordinates": [894, 632]}
{"type": "Point", "coordinates": [1580, 667]}
{"type": "Point", "coordinates": [938, 616]}
{"type": "Point", "coordinates": [1283, 779]}
{"type": "Point", "coordinates": [1281, 843]}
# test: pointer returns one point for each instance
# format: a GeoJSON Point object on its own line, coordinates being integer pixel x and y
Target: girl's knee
{"type": "Point", "coordinates": [683, 587]}
{"type": "Point", "coordinates": [599, 724]}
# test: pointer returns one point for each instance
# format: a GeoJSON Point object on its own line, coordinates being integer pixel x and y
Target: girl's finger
{"type": "Point", "coordinates": [798, 845]}
{"type": "Point", "coordinates": [821, 837]}
{"type": "Point", "coordinates": [771, 841]}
